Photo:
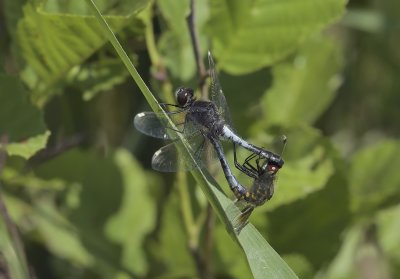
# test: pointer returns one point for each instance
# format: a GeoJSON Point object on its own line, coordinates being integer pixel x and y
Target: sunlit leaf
{"type": "Point", "coordinates": [29, 147]}
{"type": "Point", "coordinates": [53, 43]}
{"type": "Point", "coordinates": [97, 77]}
{"type": "Point", "coordinates": [299, 83]}
{"type": "Point", "coordinates": [249, 35]}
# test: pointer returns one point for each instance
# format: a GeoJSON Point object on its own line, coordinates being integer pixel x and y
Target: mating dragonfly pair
{"type": "Point", "coordinates": [207, 122]}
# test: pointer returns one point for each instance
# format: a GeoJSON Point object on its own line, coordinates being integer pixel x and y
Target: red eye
{"type": "Point", "coordinates": [272, 168]}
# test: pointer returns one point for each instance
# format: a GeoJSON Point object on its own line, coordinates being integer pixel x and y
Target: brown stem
{"type": "Point", "coordinates": [51, 152]}
{"type": "Point", "coordinates": [201, 69]}
{"type": "Point", "coordinates": [203, 262]}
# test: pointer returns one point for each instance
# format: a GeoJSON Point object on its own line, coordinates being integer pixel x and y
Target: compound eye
{"type": "Point", "coordinates": [183, 96]}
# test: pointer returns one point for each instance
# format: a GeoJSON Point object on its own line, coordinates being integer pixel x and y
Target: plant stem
{"type": "Point", "coordinates": [192, 228]}
{"type": "Point", "coordinates": [201, 69]}
{"type": "Point", "coordinates": [202, 75]}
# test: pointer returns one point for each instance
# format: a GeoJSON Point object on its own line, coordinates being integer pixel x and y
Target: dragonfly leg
{"type": "Point", "coordinates": [242, 168]}
{"type": "Point", "coordinates": [247, 162]}
{"type": "Point", "coordinates": [259, 168]}
{"type": "Point", "coordinates": [170, 105]}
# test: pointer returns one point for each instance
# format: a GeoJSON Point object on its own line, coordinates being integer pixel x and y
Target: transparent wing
{"type": "Point", "coordinates": [216, 94]}
{"type": "Point", "coordinates": [156, 125]}
{"type": "Point", "coordinates": [168, 158]}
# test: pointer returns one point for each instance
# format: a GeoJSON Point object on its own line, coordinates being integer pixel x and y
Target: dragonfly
{"type": "Point", "coordinates": [262, 188]}
{"type": "Point", "coordinates": [197, 120]}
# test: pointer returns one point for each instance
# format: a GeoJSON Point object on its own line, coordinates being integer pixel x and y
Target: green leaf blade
{"type": "Point", "coordinates": [374, 177]}
{"type": "Point", "coordinates": [250, 35]}
{"type": "Point", "coordinates": [298, 83]}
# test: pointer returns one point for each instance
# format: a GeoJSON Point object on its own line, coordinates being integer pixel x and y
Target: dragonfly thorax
{"type": "Point", "coordinates": [206, 115]}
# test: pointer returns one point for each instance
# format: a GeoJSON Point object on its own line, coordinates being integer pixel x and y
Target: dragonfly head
{"type": "Point", "coordinates": [272, 169]}
{"type": "Point", "coordinates": [184, 96]}
{"type": "Point", "coordinates": [271, 166]}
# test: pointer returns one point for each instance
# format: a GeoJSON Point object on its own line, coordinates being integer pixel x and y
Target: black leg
{"type": "Point", "coordinates": [248, 172]}
{"type": "Point", "coordinates": [250, 166]}
{"type": "Point", "coordinates": [170, 105]}
{"type": "Point", "coordinates": [258, 164]}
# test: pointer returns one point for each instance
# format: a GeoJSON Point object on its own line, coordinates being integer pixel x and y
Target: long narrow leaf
{"type": "Point", "coordinates": [264, 262]}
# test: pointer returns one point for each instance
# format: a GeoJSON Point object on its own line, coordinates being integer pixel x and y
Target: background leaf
{"type": "Point", "coordinates": [250, 35]}
{"type": "Point", "coordinates": [20, 121]}
{"type": "Point", "coordinates": [374, 183]}
{"type": "Point", "coordinates": [298, 83]}
{"type": "Point", "coordinates": [53, 43]}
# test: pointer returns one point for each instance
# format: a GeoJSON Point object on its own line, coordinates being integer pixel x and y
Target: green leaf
{"type": "Point", "coordinates": [169, 250]}
{"type": "Point", "coordinates": [374, 177]}
{"type": "Point", "coordinates": [78, 7]}
{"type": "Point", "coordinates": [12, 13]}
{"type": "Point", "coordinates": [231, 260]}
{"type": "Point", "coordinates": [13, 266]}
{"type": "Point", "coordinates": [297, 227]}
{"type": "Point", "coordinates": [249, 35]}
{"type": "Point", "coordinates": [29, 147]}
{"type": "Point", "coordinates": [59, 235]}
{"type": "Point", "coordinates": [342, 265]}
{"type": "Point", "coordinates": [388, 223]}
{"type": "Point", "coordinates": [113, 198]}
{"type": "Point", "coordinates": [52, 44]}
{"type": "Point", "coordinates": [136, 216]}
{"type": "Point", "coordinates": [263, 260]}
{"type": "Point", "coordinates": [305, 86]}
{"type": "Point", "coordinates": [20, 121]}
{"type": "Point", "coordinates": [300, 265]}
{"type": "Point", "coordinates": [241, 99]}
{"type": "Point", "coordinates": [97, 77]}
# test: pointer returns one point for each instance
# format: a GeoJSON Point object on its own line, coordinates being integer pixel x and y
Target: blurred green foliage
{"type": "Point", "coordinates": [77, 180]}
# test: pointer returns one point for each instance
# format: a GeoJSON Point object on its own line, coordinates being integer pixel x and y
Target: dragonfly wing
{"type": "Point", "coordinates": [168, 158]}
{"type": "Point", "coordinates": [156, 125]}
{"type": "Point", "coordinates": [216, 94]}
